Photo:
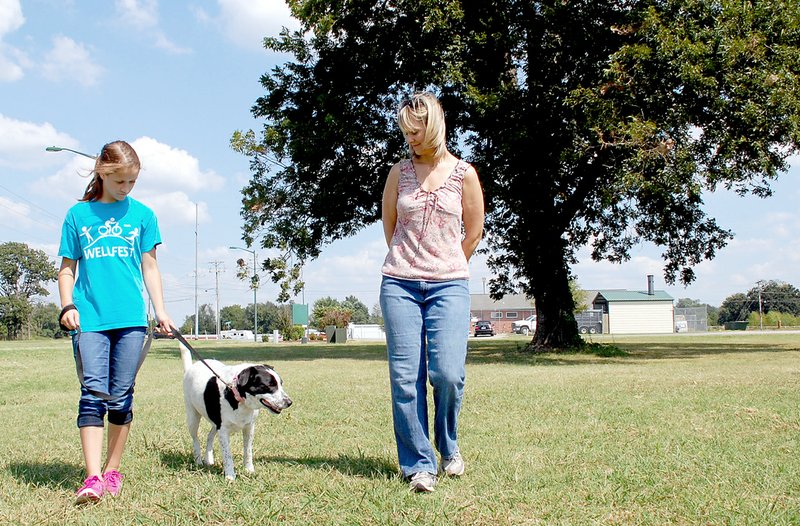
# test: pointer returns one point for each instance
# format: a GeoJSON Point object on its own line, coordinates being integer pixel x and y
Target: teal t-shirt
{"type": "Point", "coordinates": [108, 240]}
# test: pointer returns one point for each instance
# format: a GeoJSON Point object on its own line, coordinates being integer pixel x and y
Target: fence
{"type": "Point", "coordinates": [695, 318]}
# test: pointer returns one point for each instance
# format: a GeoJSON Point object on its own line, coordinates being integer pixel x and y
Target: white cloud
{"type": "Point", "coordinates": [70, 60]}
{"type": "Point", "coordinates": [607, 275]}
{"type": "Point", "coordinates": [11, 17]}
{"type": "Point", "coordinates": [9, 69]}
{"type": "Point", "coordinates": [354, 268]}
{"type": "Point", "coordinates": [167, 174]}
{"type": "Point", "coordinates": [162, 42]}
{"type": "Point", "coordinates": [23, 145]}
{"type": "Point", "coordinates": [69, 182]}
{"type": "Point", "coordinates": [782, 225]}
{"type": "Point", "coordinates": [11, 59]}
{"type": "Point", "coordinates": [173, 209]}
{"type": "Point", "coordinates": [142, 16]}
{"type": "Point", "coordinates": [14, 213]}
{"type": "Point", "coordinates": [767, 258]}
{"type": "Point", "coordinates": [247, 22]}
{"type": "Point", "coordinates": [168, 168]}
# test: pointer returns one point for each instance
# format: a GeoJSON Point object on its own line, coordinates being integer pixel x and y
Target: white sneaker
{"type": "Point", "coordinates": [422, 482]}
{"type": "Point", "coordinates": [453, 466]}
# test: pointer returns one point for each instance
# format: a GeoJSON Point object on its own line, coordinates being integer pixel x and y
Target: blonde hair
{"type": "Point", "coordinates": [114, 156]}
{"type": "Point", "coordinates": [424, 107]}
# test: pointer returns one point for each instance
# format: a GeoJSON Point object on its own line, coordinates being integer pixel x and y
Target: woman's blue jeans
{"type": "Point", "coordinates": [110, 360]}
{"type": "Point", "coordinates": [427, 327]}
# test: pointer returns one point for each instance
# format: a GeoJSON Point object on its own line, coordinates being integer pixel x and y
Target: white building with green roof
{"type": "Point", "coordinates": [636, 312]}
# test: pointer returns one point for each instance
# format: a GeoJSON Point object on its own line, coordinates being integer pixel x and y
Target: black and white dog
{"type": "Point", "coordinates": [230, 408]}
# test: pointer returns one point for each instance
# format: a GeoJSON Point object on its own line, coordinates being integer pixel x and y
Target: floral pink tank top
{"type": "Point", "coordinates": [426, 244]}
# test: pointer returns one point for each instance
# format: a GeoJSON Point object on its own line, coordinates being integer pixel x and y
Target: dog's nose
{"type": "Point", "coordinates": [288, 401]}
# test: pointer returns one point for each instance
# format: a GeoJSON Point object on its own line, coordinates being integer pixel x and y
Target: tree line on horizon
{"type": "Point", "coordinates": [25, 314]}
{"type": "Point", "coordinates": [777, 300]}
{"type": "Point", "coordinates": [271, 316]}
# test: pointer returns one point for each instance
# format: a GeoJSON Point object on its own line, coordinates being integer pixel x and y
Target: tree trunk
{"type": "Point", "coordinates": [555, 320]}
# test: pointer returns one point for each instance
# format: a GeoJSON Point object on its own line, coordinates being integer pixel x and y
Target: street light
{"type": "Point", "coordinates": [255, 286]}
{"type": "Point", "coordinates": [59, 148]}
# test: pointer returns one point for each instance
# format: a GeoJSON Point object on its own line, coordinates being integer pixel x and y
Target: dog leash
{"type": "Point", "coordinates": [76, 333]}
{"type": "Point", "coordinates": [230, 385]}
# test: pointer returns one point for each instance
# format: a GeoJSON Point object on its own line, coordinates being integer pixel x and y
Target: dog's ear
{"type": "Point", "coordinates": [268, 366]}
{"type": "Point", "coordinates": [245, 376]}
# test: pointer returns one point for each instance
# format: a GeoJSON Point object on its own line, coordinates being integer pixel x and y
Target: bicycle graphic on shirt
{"type": "Point", "coordinates": [110, 228]}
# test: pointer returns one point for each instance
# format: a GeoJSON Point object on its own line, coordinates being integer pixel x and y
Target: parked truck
{"type": "Point", "coordinates": [526, 326]}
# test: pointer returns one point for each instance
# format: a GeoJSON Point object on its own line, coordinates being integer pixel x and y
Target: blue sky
{"type": "Point", "coordinates": [176, 79]}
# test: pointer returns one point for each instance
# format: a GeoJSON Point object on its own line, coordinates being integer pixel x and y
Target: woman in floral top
{"type": "Point", "coordinates": [433, 221]}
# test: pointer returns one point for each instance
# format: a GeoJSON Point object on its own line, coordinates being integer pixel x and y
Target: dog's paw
{"type": "Point", "coordinates": [209, 461]}
{"type": "Point", "coordinates": [250, 468]}
{"type": "Point", "coordinates": [230, 478]}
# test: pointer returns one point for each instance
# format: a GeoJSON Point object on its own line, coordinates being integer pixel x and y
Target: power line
{"type": "Point", "coordinates": [47, 212]}
{"type": "Point", "coordinates": [29, 218]}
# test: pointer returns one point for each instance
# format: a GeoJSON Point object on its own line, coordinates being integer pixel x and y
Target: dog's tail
{"type": "Point", "coordinates": [186, 357]}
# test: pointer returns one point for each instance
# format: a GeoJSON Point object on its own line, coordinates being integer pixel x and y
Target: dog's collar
{"type": "Point", "coordinates": [234, 390]}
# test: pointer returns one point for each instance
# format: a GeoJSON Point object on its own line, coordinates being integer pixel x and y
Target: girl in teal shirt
{"type": "Point", "coordinates": [109, 241]}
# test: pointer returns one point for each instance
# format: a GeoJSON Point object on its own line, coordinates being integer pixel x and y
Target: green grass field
{"type": "Point", "coordinates": [680, 430]}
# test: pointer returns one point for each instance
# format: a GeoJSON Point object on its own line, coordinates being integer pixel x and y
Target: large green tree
{"type": "Point", "coordinates": [272, 317]}
{"type": "Point", "coordinates": [775, 295]}
{"type": "Point", "coordinates": [23, 273]}
{"type": "Point", "coordinates": [44, 320]}
{"type": "Point", "coordinates": [233, 317]}
{"type": "Point", "coordinates": [735, 307]}
{"type": "Point", "coordinates": [360, 312]}
{"type": "Point", "coordinates": [590, 122]}
{"type": "Point", "coordinates": [766, 296]}
{"type": "Point", "coordinates": [207, 321]}
{"type": "Point", "coordinates": [330, 311]}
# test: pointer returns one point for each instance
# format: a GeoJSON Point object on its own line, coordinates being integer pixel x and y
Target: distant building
{"type": "Point", "coordinates": [635, 312]}
{"type": "Point", "coordinates": [623, 311]}
{"type": "Point", "coordinates": [365, 332]}
{"type": "Point", "coordinates": [501, 313]}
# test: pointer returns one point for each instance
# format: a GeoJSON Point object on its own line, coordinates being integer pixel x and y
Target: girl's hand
{"type": "Point", "coordinates": [165, 325]}
{"type": "Point", "coordinates": [71, 319]}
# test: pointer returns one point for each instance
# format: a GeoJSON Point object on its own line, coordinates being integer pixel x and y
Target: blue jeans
{"type": "Point", "coordinates": [427, 327]}
{"type": "Point", "coordinates": [110, 360]}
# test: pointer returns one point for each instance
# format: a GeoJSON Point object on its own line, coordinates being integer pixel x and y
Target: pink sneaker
{"type": "Point", "coordinates": [113, 482]}
{"type": "Point", "coordinates": [91, 491]}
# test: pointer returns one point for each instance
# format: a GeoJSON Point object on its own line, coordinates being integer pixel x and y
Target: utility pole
{"type": "Point", "coordinates": [254, 284]}
{"type": "Point", "coordinates": [760, 284]}
{"type": "Point", "coordinates": [196, 310]}
{"type": "Point", "coordinates": [217, 270]}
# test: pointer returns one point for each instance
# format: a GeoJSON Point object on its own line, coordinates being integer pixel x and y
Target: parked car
{"type": "Point", "coordinates": [526, 326]}
{"type": "Point", "coordinates": [484, 327]}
